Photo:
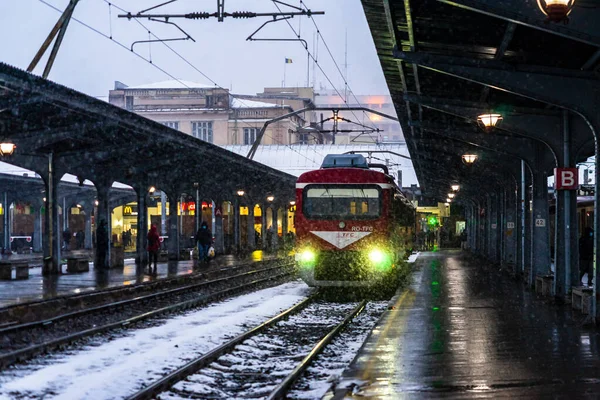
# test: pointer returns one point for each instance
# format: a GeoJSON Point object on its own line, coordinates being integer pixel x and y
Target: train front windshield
{"type": "Point", "coordinates": [342, 202]}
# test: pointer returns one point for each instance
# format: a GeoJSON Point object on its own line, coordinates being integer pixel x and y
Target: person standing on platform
{"type": "Point", "coordinates": [153, 248]}
{"type": "Point", "coordinates": [586, 255]}
{"type": "Point", "coordinates": [463, 239]}
{"type": "Point", "coordinates": [204, 239]}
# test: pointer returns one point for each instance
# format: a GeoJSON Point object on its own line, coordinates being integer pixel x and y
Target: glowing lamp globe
{"type": "Point", "coordinates": [556, 10]}
{"type": "Point", "coordinates": [240, 193]}
{"type": "Point", "coordinates": [469, 159]}
{"type": "Point", "coordinates": [455, 188]}
{"type": "Point", "coordinates": [270, 198]}
{"type": "Point", "coordinates": [6, 149]}
{"type": "Point", "coordinates": [451, 195]}
{"type": "Point", "coordinates": [489, 121]}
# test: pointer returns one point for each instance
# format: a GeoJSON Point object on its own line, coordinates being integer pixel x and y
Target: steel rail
{"type": "Point", "coordinates": [26, 353]}
{"type": "Point", "coordinates": [201, 362]}
{"type": "Point", "coordinates": [283, 388]}
{"type": "Point", "coordinates": [122, 303]}
{"type": "Point", "coordinates": [115, 289]}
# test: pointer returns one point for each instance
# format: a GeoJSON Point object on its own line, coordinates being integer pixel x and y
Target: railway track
{"type": "Point", "coordinates": [21, 342]}
{"type": "Point", "coordinates": [263, 362]}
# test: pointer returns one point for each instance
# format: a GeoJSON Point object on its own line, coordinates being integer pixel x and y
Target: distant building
{"type": "Point", "coordinates": [361, 122]}
{"type": "Point", "coordinates": [209, 113]}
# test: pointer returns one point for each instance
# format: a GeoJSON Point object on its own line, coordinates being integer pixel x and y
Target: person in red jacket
{"type": "Point", "coordinates": [153, 248]}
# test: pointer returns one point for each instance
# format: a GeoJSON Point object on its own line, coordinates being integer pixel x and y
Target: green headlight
{"type": "Point", "coordinates": [307, 256]}
{"type": "Point", "coordinates": [379, 259]}
{"type": "Point", "coordinates": [376, 256]}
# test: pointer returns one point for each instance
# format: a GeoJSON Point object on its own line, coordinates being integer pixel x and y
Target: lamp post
{"type": "Point", "coordinates": [7, 149]}
{"type": "Point", "coordinates": [489, 121]}
{"type": "Point", "coordinates": [469, 159]}
{"type": "Point", "coordinates": [556, 10]}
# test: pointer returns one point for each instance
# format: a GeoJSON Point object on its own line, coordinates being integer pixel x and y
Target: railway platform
{"type": "Point", "coordinates": [465, 330]}
{"type": "Point", "coordinates": [39, 287]}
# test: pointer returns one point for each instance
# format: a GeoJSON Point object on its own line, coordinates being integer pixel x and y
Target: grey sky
{"type": "Point", "coordinates": [90, 63]}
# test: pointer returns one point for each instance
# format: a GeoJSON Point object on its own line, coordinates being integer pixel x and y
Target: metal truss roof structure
{"type": "Point", "coordinates": [97, 141]}
{"type": "Point", "coordinates": [448, 61]}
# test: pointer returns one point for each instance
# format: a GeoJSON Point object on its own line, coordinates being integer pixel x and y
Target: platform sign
{"type": "Point", "coordinates": [540, 222]}
{"type": "Point", "coordinates": [510, 225]}
{"type": "Point", "coordinates": [566, 179]}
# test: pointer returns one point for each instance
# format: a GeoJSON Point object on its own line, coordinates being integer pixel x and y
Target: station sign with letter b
{"type": "Point", "coordinates": [566, 179]}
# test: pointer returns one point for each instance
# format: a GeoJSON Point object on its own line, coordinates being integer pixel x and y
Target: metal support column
{"type": "Point", "coordinates": [52, 244]}
{"type": "Point", "coordinates": [510, 231]}
{"type": "Point", "coordinates": [236, 225]}
{"type": "Point", "coordinates": [163, 213]}
{"type": "Point", "coordinates": [5, 217]}
{"type": "Point", "coordinates": [274, 225]}
{"type": "Point", "coordinates": [263, 228]}
{"type": "Point", "coordinates": [173, 246]}
{"type": "Point", "coordinates": [87, 242]}
{"type": "Point", "coordinates": [218, 231]}
{"type": "Point", "coordinates": [250, 229]}
{"type": "Point", "coordinates": [141, 256]}
{"type": "Point", "coordinates": [104, 214]}
{"type": "Point", "coordinates": [37, 227]}
{"type": "Point", "coordinates": [540, 240]}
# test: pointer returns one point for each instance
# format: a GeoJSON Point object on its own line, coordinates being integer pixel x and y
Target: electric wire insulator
{"type": "Point", "coordinates": [243, 14]}
{"type": "Point", "coordinates": [198, 15]}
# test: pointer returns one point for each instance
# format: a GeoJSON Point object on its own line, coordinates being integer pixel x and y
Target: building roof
{"type": "Point", "coordinates": [245, 103]}
{"type": "Point", "coordinates": [172, 84]}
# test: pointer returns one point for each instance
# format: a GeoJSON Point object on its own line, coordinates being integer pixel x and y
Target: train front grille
{"type": "Point", "coordinates": [341, 266]}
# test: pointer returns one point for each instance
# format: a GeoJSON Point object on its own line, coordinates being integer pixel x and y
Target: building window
{"type": "Point", "coordinates": [303, 138]}
{"type": "Point", "coordinates": [250, 135]}
{"type": "Point", "coordinates": [129, 102]}
{"type": "Point", "coordinates": [203, 131]}
{"type": "Point", "coordinates": [171, 124]}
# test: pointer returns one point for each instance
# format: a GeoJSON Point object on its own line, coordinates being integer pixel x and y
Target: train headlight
{"type": "Point", "coordinates": [379, 259]}
{"type": "Point", "coordinates": [306, 257]}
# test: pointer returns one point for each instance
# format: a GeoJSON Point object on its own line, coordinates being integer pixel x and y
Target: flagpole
{"type": "Point", "coordinates": [284, 68]}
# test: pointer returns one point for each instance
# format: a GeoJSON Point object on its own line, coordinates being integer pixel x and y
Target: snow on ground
{"type": "Point", "coordinates": [118, 368]}
{"type": "Point", "coordinates": [413, 258]}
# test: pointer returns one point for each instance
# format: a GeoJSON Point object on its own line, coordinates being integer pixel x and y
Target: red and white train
{"type": "Point", "coordinates": [354, 226]}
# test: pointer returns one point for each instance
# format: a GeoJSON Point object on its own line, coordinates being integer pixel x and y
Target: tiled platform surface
{"type": "Point", "coordinates": [39, 287]}
{"type": "Point", "coordinates": [465, 331]}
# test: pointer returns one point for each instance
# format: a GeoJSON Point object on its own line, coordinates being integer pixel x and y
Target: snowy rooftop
{"type": "Point", "coordinates": [172, 84]}
{"type": "Point", "coordinates": [10, 169]}
{"type": "Point", "coordinates": [245, 103]}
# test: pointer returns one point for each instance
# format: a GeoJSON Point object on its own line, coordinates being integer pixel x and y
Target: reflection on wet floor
{"type": "Point", "coordinates": [464, 331]}
{"type": "Point", "coordinates": [39, 287]}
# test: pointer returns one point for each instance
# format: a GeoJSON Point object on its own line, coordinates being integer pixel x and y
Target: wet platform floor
{"type": "Point", "coordinates": [463, 330]}
{"type": "Point", "coordinates": [39, 287]}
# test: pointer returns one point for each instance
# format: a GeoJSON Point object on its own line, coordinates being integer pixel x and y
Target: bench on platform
{"type": "Point", "coordinates": [78, 264]}
{"type": "Point", "coordinates": [581, 298]}
{"type": "Point", "coordinates": [20, 267]}
{"type": "Point", "coordinates": [543, 285]}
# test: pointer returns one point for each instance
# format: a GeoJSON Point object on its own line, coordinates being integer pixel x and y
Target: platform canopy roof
{"type": "Point", "coordinates": [448, 61]}
{"type": "Point", "coordinates": [94, 140]}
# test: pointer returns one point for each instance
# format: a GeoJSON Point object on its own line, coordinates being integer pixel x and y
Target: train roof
{"type": "Point", "coordinates": [345, 175]}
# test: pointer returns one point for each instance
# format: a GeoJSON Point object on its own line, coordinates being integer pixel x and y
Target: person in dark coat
{"type": "Point", "coordinates": [586, 255]}
{"type": "Point", "coordinates": [66, 239]}
{"type": "Point", "coordinates": [204, 240]}
{"type": "Point", "coordinates": [101, 244]}
{"type": "Point", "coordinates": [153, 248]}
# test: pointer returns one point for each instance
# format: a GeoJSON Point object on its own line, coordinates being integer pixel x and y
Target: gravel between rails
{"type": "Point", "coordinates": [258, 365]}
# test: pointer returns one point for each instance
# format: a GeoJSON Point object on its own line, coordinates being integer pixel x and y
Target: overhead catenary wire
{"type": "Point", "coordinates": [240, 99]}
{"type": "Point", "coordinates": [147, 60]}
